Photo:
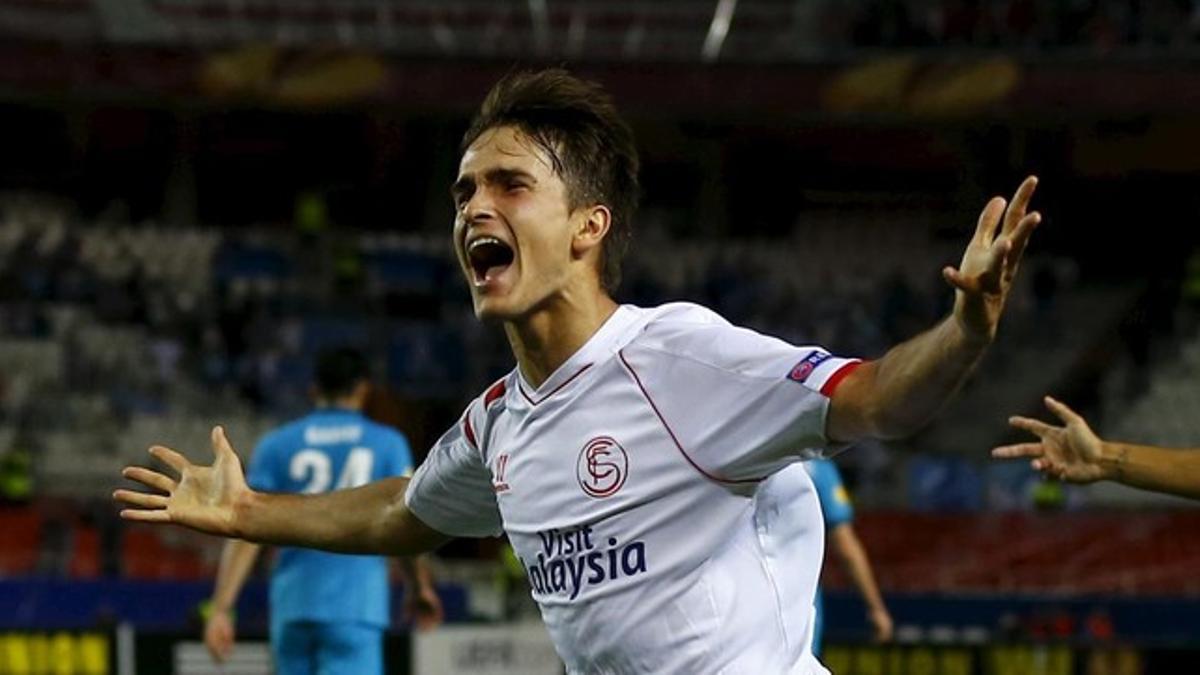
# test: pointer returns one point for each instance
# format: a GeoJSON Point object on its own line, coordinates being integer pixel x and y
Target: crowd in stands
{"type": "Point", "coordinates": [138, 310]}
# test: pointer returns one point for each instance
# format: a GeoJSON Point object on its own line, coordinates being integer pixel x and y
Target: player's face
{"type": "Point", "coordinates": [513, 227]}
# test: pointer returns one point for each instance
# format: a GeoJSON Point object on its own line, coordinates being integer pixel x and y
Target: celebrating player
{"type": "Point", "coordinates": [1074, 453]}
{"type": "Point", "coordinates": [328, 610]}
{"type": "Point", "coordinates": [637, 458]}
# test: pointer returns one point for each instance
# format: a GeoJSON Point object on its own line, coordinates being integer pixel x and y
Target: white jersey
{"type": "Point", "coordinates": [645, 488]}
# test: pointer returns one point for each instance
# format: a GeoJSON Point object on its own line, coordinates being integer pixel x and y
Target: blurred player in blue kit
{"type": "Point", "coordinates": [840, 534]}
{"type": "Point", "coordinates": [328, 610]}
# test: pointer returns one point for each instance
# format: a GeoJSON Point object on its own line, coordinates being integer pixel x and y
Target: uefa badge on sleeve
{"type": "Point", "coordinates": [801, 372]}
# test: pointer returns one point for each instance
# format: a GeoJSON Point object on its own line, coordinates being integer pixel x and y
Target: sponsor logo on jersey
{"type": "Point", "coordinates": [570, 560]}
{"type": "Point", "coordinates": [805, 368]}
{"type": "Point", "coordinates": [501, 465]}
{"type": "Point", "coordinates": [602, 467]}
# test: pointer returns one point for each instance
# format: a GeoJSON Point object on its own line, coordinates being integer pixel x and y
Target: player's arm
{"type": "Point", "coordinates": [237, 559]}
{"type": "Point", "coordinates": [854, 559]}
{"type": "Point", "coordinates": [1073, 452]}
{"type": "Point", "coordinates": [215, 499]}
{"type": "Point", "coordinates": [895, 395]}
{"type": "Point", "coordinates": [422, 606]}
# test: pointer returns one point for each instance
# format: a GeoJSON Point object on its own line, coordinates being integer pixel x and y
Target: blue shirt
{"type": "Point", "coordinates": [329, 449]}
{"type": "Point", "coordinates": [835, 501]}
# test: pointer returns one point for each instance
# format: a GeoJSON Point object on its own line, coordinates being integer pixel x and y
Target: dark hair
{"type": "Point", "coordinates": [338, 371]}
{"type": "Point", "coordinates": [590, 147]}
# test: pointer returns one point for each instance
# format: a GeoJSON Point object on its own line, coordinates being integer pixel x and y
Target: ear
{"type": "Point", "coordinates": [591, 231]}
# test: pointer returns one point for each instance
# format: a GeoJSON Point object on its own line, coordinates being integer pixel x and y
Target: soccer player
{"type": "Point", "coordinates": [839, 527]}
{"type": "Point", "coordinates": [328, 610]}
{"type": "Point", "coordinates": [1074, 453]}
{"type": "Point", "coordinates": [642, 461]}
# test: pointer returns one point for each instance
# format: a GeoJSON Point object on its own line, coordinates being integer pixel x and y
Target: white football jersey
{"type": "Point", "coordinates": [646, 489]}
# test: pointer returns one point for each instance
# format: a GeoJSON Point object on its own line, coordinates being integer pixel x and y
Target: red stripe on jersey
{"type": "Point", "coordinates": [494, 394]}
{"type": "Point", "coordinates": [671, 433]}
{"type": "Point", "coordinates": [468, 431]}
{"type": "Point", "coordinates": [836, 378]}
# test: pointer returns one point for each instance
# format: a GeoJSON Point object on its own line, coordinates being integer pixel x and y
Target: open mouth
{"type": "Point", "coordinates": [488, 257]}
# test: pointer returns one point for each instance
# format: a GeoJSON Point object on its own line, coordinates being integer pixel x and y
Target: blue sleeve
{"type": "Point", "coordinates": [835, 500]}
{"type": "Point", "coordinates": [261, 474]}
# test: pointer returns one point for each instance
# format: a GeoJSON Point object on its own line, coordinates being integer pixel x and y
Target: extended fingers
{"type": "Point", "coordinates": [143, 500]}
{"type": "Point", "coordinates": [149, 478]}
{"type": "Point", "coordinates": [146, 515]}
{"type": "Point", "coordinates": [170, 457]}
{"type": "Point", "coordinates": [1020, 204]}
{"type": "Point", "coordinates": [1020, 239]}
{"type": "Point", "coordinates": [989, 219]}
{"type": "Point", "coordinates": [1035, 427]}
{"type": "Point", "coordinates": [1061, 410]}
{"type": "Point", "coordinates": [1018, 450]}
{"type": "Point", "coordinates": [220, 442]}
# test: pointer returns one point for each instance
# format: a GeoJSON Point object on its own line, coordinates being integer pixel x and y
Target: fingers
{"type": "Point", "coordinates": [1020, 238]}
{"type": "Point", "coordinates": [1061, 410]}
{"type": "Point", "coordinates": [149, 478]}
{"type": "Point", "coordinates": [1035, 427]}
{"type": "Point", "coordinates": [146, 516]}
{"type": "Point", "coordinates": [987, 281]}
{"type": "Point", "coordinates": [170, 457]}
{"type": "Point", "coordinates": [141, 499]}
{"type": "Point", "coordinates": [1020, 204]}
{"type": "Point", "coordinates": [988, 219]}
{"type": "Point", "coordinates": [220, 442]}
{"type": "Point", "coordinates": [957, 280]}
{"type": "Point", "coordinates": [1017, 451]}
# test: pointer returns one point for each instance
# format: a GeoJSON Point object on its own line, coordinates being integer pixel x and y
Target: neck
{"type": "Point", "coordinates": [548, 336]}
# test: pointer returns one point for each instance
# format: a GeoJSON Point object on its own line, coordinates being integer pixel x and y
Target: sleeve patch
{"type": "Point", "coordinates": [803, 370]}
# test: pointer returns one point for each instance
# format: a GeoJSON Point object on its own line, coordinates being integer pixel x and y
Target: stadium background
{"type": "Point", "coordinates": [195, 195]}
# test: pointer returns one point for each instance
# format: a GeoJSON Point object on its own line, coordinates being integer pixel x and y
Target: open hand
{"type": "Point", "coordinates": [203, 497]}
{"type": "Point", "coordinates": [989, 265]}
{"type": "Point", "coordinates": [1071, 452]}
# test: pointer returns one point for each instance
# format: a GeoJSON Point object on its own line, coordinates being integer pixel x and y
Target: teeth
{"type": "Point", "coordinates": [481, 241]}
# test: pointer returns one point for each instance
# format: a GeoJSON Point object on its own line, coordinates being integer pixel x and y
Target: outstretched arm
{"type": "Point", "coordinates": [1074, 453]}
{"type": "Point", "coordinates": [895, 395]}
{"type": "Point", "coordinates": [237, 559]}
{"type": "Point", "coordinates": [215, 499]}
{"type": "Point", "coordinates": [854, 558]}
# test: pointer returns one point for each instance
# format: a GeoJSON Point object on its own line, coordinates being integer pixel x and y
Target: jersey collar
{"type": "Point", "coordinates": [604, 343]}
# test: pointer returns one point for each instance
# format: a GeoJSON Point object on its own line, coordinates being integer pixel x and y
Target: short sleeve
{"type": "Point", "coordinates": [835, 499]}
{"type": "Point", "coordinates": [261, 474]}
{"type": "Point", "coordinates": [740, 405]}
{"type": "Point", "coordinates": [452, 489]}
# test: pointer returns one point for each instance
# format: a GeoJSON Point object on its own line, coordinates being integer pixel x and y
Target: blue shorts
{"type": "Point", "coordinates": [318, 648]}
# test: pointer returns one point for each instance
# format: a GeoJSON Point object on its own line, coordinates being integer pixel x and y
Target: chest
{"type": "Point", "coordinates": [599, 454]}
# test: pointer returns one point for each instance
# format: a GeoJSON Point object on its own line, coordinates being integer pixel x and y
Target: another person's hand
{"type": "Point", "coordinates": [882, 627]}
{"type": "Point", "coordinates": [990, 263]}
{"type": "Point", "coordinates": [1071, 452]}
{"type": "Point", "coordinates": [423, 607]}
{"type": "Point", "coordinates": [219, 635]}
{"type": "Point", "coordinates": [203, 497]}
